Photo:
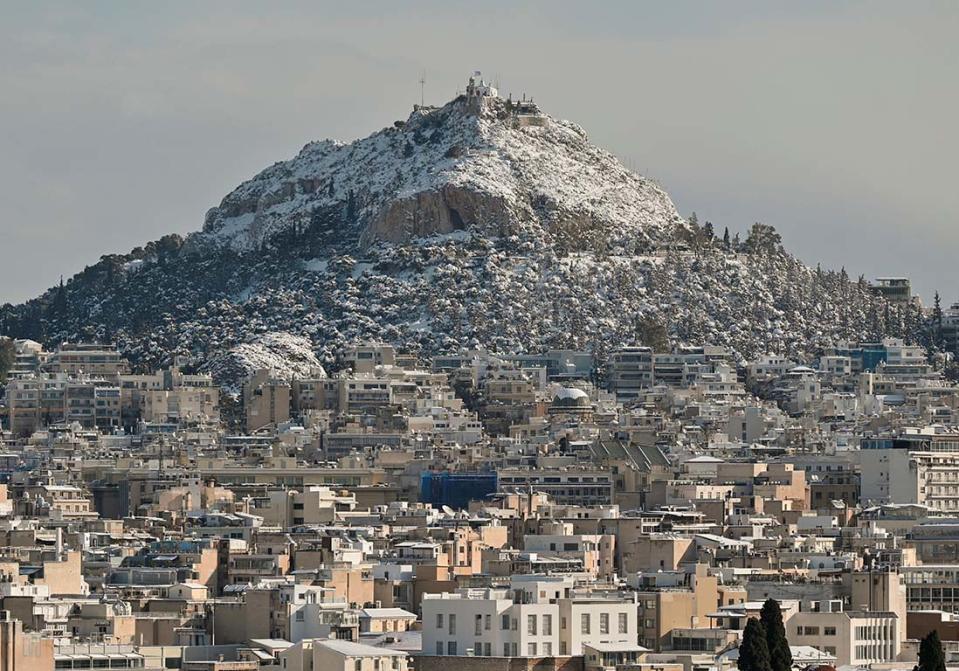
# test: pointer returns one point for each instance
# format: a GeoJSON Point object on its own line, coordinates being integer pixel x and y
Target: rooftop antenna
{"type": "Point", "coordinates": [422, 88]}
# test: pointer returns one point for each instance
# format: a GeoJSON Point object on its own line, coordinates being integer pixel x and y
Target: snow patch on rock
{"type": "Point", "coordinates": [286, 355]}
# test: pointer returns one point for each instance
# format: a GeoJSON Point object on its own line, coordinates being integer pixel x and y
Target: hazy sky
{"type": "Point", "coordinates": [835, 122]}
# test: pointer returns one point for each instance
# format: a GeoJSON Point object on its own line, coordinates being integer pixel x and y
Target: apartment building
{"type": "Point", "coordinates": [266, 400]}
{"type": "Point", "coordinates": [364, 358]}
{"type": "Point", "coordinates": [920, 468]}
{"type": "Point", "coordinates": [88, 359]}
{"type": "Point", "coordinates": [45, 399]}
{"type": "Point", "coordinates": [536, 617]}
{"type": "Point", "coordinates": [630, 371]}
{"type": "Point", "coordinates": [932, 587]}
{"type": "Point", "coordinates": [854, 637]}
{"type": "Point", "coordinates": [578, 487]}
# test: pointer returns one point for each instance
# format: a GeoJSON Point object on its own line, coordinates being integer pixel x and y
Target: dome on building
{"type": "Point", "coordinates": [570, 394]}
{"type": "Point", "coordinates": [571, 397]}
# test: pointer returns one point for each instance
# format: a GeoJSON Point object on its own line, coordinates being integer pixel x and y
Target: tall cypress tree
{"type": "Point", "coordinates": [753, 650]}
{"type": "Point", "coordinates": [931, 656]}
{"type": "Point", "coordinates": [772, 619]}
{"type": "Point", "coordinates": [937, 321]}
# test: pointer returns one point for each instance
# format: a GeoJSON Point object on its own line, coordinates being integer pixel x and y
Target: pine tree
{"type": "Point", "coordinates": [937, 321]}
{"type": "Point", "coordinates": [771, 616]}
{"type": "Point", "coordinates": [7, 357]}
{"type": "Point", "coordinates": [931, 656]}
{"type": "Point", "coordinates": [60, 300]}
{"type": "Point", "coordinates": [753, 650]}
{"type": "Point", "coordinates": [726, 241]}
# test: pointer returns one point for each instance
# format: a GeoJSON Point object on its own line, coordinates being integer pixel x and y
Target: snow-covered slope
{"type": "Point", "coordinates": [481, 223]}
{"type": "Point", "coordinates": [491, 169]}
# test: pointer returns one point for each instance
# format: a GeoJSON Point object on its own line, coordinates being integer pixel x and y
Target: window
{"type": "Point", "coordinates": [623, 623]}
{"type": "Point", "coordinates": [547, 625]}
{"type": "Point", "coordinates": [439, 620]}
{"type": "Point", "coordinates": [562, 623]}
{"type": "Point", "coordinates": [504, 622]}
{"type": "Point", "coordinates": [547, 649]}
{"type": "Point", "coordinates": [531, 649]}
{"type": "Point", "coordinates": [811, 631]}
{"type": "Point", "coordinates": [358, 665]}
{"type": "Point", "coordinates": [584, 623]}
{"type": "Point", "coordinates": [451, 647]}
{"type": "Point", "coordinates": [829, 631]}
{"type": "Point", "coordinates": [452, 628]}
{"type": "Point", "coordinates": [531, 625]}
{"type": "Point", "coordinates": [479, 625]}
{"type": "Point", "coordinates": [489, 622]}
{"type": "Point", "coordinates": [604, 623]}
{"type": "Point", "coordinates": [562, 648]}
{"type": "Point", "coordinates": [478, 648]}
{"type": "Point", "coordinates": [506, 650]}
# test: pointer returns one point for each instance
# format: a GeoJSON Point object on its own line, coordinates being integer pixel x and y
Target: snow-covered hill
{"type": "Point", "coordinates": [479, 162]}
{"type": "Point", "coordinates": [480, 223]}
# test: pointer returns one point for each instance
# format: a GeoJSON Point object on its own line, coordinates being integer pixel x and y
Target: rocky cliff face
{"type": "Point", "coordinates": [464, 226]}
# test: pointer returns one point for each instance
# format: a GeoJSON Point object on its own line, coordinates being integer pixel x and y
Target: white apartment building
{"type": "Point", "coordinates": [857, 638]}
{"type": "Point", "coordinates": [904, 475]}
{"type": "Point", "coordinates": [768, 367]}
{"type": "Point", "coordinates": [536, 618]}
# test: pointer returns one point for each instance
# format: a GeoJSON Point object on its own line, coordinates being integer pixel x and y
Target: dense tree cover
{"type": "Point", "coordinates": [440, 295]}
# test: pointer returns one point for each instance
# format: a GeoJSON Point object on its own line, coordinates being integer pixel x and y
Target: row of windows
{"type": "Point", "coordinates": [510, 649]}
{"type": "Point", "coordinates": [533, 628]}
{"type": "Point", "coordinates": [814, 631]}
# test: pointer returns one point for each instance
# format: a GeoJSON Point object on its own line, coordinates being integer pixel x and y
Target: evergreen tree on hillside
{"type": "Point", "coordinates": [771, 617]}
{"type": "Point", "coordinates": [60, 299]}
{"type": "Point", "coordinates": [763, 239]}
{"type": "Point", "coordinates": [931, 656]}
{"type": "Point", "coordinates": [753, 650]}
{"type": "Point", "coordinates": [937, 321]}
{"type": "Point", "coordinates": [7, 356]}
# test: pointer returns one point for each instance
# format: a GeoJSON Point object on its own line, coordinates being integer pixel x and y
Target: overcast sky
{"type": "Point", "coordinates": [834, 122]}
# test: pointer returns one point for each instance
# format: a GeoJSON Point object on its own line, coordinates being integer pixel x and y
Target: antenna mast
{"type": "Point", "coordinates": [423, 88]}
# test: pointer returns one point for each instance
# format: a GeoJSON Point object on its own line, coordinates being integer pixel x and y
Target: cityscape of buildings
{"type": "Point", "coordinates": [492, 511]}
